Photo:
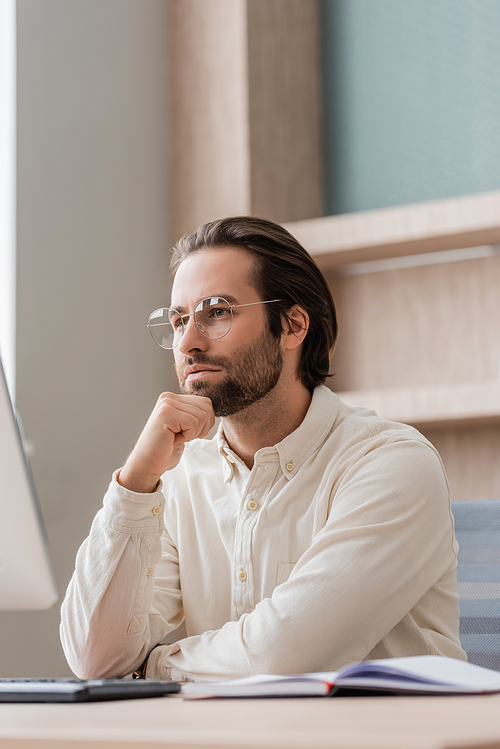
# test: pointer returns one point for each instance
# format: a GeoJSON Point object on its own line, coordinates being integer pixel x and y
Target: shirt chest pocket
{"type": "Point", "coordinates": [284, 572]}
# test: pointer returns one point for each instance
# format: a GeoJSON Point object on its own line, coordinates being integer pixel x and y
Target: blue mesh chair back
{"type": "Point", "coordinates": [477, 527]}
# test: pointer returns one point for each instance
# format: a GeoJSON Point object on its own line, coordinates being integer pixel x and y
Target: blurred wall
{"type": "Point", "coordinates": [93, 238]}
{"type": "Point", "coordinates": [411, 100]}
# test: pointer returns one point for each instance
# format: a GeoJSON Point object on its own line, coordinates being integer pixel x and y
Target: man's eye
{"type": "Point", "coordinates": [176, 322]}
{"type": "Point", "coordinates": [218, 312]}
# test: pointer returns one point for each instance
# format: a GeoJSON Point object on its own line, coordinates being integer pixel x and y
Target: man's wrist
{"type": "Point", "coordinates": [148, 485]}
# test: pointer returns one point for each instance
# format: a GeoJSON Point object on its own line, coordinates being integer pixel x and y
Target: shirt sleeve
{"type": "Point", "coordinates": [109, 617]}
{"type": "Point", "coordinates": [388, 539]}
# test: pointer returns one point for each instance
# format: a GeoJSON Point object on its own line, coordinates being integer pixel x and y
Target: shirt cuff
{"type": "Point", "coordinates": [131, 512]}
{"type": "Point", "coordinates": [158, 666]}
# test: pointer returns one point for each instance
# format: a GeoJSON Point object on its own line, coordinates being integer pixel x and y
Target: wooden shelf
{"type": "Point", "coordinates": [450, 224]}
{"type": "Point", "coordinates": [433, 406]}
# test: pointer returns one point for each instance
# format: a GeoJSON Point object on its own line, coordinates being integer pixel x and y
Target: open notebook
{"type": "Point", "coordinates": [423, 674]}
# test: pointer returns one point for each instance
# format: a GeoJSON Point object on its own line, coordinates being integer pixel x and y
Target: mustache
{"type": "Point", "coordinates": [214, 361]}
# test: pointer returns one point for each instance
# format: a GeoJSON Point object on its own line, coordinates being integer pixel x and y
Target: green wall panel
{"type": "Point", "coordinates": [411, 100]}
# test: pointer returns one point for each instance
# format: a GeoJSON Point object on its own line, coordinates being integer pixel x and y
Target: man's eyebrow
{"type": "Point", "coordinates": [228, 297]}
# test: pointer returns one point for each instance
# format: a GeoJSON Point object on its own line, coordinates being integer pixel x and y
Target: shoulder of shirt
{"type": "Point", "coordinates": [359, 430]}
{"type": "Point", "coordinates": [359, 419]}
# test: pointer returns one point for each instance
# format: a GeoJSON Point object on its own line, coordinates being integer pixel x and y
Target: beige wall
{"type": "Point", "coordinates": [93, 236]}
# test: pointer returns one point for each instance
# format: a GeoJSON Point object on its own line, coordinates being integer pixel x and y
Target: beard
{"type": "Point", "coordinates": [251, 373]}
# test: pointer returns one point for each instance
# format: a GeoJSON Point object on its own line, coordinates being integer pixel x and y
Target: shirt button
{"type": "Point", "coordinates": [242, 576]}
{"type": "Point", "coordinates": [156, 510]}
{"type": "Point", "coordinates": [289, 466]}
{"type": "Point", "coordinates": [252, 505]}
{"type": "Point", "coordinates": [149, 571]}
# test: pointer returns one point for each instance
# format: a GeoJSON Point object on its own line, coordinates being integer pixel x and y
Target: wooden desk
{"type": "Point", "coordinates": [342, 723]}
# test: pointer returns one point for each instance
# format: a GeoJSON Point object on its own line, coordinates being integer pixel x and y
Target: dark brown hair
{"type": "Point", "coordinates": [285, 271]}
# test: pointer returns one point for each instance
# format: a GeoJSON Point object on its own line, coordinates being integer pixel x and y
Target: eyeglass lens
{"type": "Point", "coordinates": [212, 317]}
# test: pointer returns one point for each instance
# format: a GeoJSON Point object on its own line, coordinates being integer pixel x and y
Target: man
{"type": "Point", "coordinates": [304, 536]}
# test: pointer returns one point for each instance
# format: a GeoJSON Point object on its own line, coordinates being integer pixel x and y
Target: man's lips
{"type": "Point", "coordinates": [199, 372]}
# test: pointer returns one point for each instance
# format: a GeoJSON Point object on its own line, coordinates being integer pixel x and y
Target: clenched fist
{"type": "Point", "coordinates": [175, 420]}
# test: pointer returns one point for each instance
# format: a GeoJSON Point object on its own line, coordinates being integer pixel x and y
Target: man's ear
{"type": "Point", "coordinates": [296, 325]}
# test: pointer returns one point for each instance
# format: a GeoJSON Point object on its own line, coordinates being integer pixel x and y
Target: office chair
{"type": "Point", "coordinates": [477, 527]}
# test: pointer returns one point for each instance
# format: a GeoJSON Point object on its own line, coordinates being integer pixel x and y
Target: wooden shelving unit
{"type": "Point", "coordinates": [465, 221]}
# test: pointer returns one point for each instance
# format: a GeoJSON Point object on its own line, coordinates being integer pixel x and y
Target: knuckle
{"type": "Point", "coordinates": [165, 397]}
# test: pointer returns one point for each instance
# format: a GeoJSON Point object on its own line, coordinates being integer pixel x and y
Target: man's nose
{"type": "Point", "coordinates": [192, 339]}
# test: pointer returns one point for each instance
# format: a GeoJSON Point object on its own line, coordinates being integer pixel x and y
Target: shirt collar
{"type": "Point", "coordinates": [306, 440]}
{"type": "Point", "coordinates": [298, 446]}
{"type": "Point", "coordinates": [230, 459]}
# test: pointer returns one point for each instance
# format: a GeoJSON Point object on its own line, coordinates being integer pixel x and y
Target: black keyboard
{"type": "Point", "coordinates": [86, 690]}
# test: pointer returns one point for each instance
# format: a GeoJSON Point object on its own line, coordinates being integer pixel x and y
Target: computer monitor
{"type": "Point", "coordinates": [26, 580]}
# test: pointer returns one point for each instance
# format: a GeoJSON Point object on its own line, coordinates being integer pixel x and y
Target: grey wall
{"type": "Point", "coordinates": [93, 241]}
{"type": "Point", "coordinates": [411, 92]}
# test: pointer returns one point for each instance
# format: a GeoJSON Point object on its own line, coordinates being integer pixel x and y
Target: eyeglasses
{"type": "Point", "coordinates": [212, 316]}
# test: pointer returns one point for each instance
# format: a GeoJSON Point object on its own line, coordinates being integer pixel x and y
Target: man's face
{"type": "Point", "coordinates": [245, 365]}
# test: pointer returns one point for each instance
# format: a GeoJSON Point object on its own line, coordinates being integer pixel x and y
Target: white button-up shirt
{"type": "Point", "coordinates": [335, 547]}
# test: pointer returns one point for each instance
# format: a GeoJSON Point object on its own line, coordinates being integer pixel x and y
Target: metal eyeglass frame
{"type": "Point", "coordinates": [191, 314]}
